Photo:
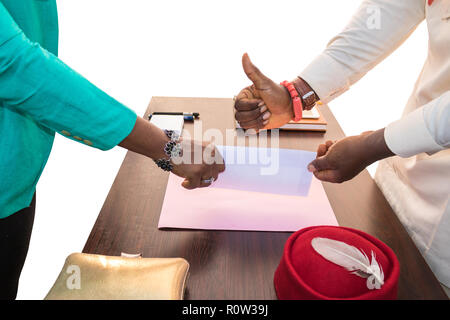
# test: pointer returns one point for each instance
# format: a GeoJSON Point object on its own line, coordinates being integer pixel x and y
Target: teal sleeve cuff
{"type": "Point", "coordinates": [118, 125]}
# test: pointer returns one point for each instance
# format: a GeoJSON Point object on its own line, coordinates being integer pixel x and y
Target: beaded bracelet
{"type": "Point", "coordinates": [172, 149]}
{"type": "Point", "coordinates": [296, 101]}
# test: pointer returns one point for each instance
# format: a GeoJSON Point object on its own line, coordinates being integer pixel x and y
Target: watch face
{"type": "Point", "coordinates": [309, 98]}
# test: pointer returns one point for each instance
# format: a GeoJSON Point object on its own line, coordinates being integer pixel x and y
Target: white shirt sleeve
{"type": "Point", "coordinates": [426, 129]}
{"type": "Point", "coordinates": [375, 31]}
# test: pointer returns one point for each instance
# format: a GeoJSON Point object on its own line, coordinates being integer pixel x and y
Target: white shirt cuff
{"type": "Point", "coordinates": [326, 77]}
{"type": "Point", "coordinates": [409, 136]}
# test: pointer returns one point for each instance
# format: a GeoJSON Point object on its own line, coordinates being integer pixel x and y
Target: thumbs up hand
{"type": "Point", "coordinates": [263, 105]}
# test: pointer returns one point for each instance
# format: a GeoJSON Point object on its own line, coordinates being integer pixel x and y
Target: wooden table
{"type": "Point", "coordinates": [240, 265]}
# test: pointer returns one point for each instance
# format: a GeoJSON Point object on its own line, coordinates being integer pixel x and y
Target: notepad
{"type": "Point", "coordinates": [311, 114]}
{"type": "Point", "coordinates": [168, 122]}
{"type": "Point", "coordinates": [312, 120]}
{"type": "Point", "coordinates": [253, 195]}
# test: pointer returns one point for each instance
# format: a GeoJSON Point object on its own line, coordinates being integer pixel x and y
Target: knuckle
{"type": "Point", "coordinates": [238, 104]}
{"type": "Point", "coordinates": [260, 123]}
{"type": "Point", "coordinates": [256, 113]}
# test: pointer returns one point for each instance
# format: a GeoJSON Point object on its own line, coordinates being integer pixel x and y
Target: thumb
{"type": "Point", "coordinates": [187, 184]}
{"type": "Point", "coordinates": [253, 72]}
{"type": "Point", "coordinates": [190, 183]}
{"type": "Point", "coordinates": [319, 164]}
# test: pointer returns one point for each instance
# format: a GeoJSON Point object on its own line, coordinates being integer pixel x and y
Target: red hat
{"type": "Point", "coordinates": [307, 272]}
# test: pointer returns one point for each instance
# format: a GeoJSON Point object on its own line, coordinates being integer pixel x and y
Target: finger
{"type": "Point", "coordinates": [253, 73]}
{"type": "Point", "coordinates": [328, 176]}
{"type": "Point", "coordinates": [244, 116]}
{"type": "Point", "coordinates": [258, 123]}
{"type": "Point", "coordinates": [246, 93]}
{"type": "Point", "coordinates": [321, 150]}
{"type": "Point", "coordinates": [329, 143]}
{"type": "Point", "coordinates": [319, 164]}
{"type": "Point", "coordinates": [191, 183]}
{"type": "Point", "coordinates": [246, 104]}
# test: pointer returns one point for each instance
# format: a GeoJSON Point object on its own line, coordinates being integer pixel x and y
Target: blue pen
{"type": "Point", "coordinates": [187, 116]}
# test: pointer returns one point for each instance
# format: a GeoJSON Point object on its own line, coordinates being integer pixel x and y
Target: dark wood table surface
{"type": "Point", "coordinates": [235, 264]}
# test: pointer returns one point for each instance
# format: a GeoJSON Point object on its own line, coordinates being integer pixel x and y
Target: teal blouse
{"type": "Point", "coordinates": [40, 95]}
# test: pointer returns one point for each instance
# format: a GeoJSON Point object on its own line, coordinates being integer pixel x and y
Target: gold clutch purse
{"type": "Point", "coordinates": [98, 277]}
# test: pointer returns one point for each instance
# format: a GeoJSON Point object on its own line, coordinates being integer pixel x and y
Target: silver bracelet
{"type": "Point", "coordinates": [172, 149]}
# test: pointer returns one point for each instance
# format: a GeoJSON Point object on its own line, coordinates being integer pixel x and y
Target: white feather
{"type": "Point", "coordinates": [352, 259]}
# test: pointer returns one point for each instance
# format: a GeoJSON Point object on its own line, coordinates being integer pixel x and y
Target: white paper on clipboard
{"type": "Point", "coordinates": [311, 114]}
{"type": "Point", "coordinates": [168, 122]}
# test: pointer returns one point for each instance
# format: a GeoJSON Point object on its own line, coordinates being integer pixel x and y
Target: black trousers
{"type": "Point", "coordinates": [15, 234]}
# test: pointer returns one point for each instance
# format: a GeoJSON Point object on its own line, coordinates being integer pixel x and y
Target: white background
{"type": "Point", "coordinates": [136, 49]}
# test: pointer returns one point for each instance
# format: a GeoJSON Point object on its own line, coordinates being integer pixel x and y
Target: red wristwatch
{"type": "Point", "coordinates": [296, 101]}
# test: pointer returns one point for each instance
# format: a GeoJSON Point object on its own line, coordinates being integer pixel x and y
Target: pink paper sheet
{"type": "Point", "coordinates": [231, 208]}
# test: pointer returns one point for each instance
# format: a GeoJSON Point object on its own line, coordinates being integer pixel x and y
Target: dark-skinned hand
{"type": "Point", "coordinates": [343, 160]}
{"type": "Point", "coordinates": [263, 105]}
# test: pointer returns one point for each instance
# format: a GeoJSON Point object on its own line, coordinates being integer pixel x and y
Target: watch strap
{"type": "Point", "coordinates": [306, 93]}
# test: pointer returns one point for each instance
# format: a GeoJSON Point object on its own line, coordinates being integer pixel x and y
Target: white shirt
{"type": "Point", "coordinates": [416, 182]}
